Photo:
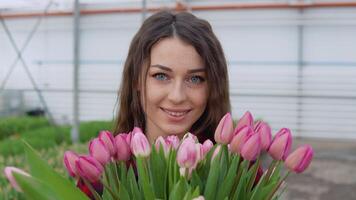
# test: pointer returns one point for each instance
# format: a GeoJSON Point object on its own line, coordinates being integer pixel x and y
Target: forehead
{"type": "Point", "coordinates": [175, 54]}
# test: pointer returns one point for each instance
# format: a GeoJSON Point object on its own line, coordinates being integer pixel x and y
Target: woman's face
{"type": "Point", "coordinates": [176, 88]}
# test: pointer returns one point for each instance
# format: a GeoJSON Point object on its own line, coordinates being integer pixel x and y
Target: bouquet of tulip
{"type": "Point", "coordinates": [126, 166]}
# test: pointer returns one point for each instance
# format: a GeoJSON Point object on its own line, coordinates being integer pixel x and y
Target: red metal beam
{"type": "Point", "coordinates": [181, 7]}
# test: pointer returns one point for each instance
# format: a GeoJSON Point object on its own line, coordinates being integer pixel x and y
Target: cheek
{"type": "Point", "coordinates": [200, 98]}
{"type": "Point", "coordinates": [154, 93]}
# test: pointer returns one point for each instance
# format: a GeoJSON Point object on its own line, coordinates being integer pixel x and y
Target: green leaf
{"type": "Point", "coordinates": [195, 180]}
{"type": "Point", "coordinates": [158, 172]}
{"type": "Point", "coordinates": [34, 188]}
{"type": "Point", "coordinates": [123, 194]}
{"type": "Point", "coordinates": [227, 185]}
{"type": "Point", "coordinates": [213, 177]}
{"type": "Point", "coordinates": [42, 171]}
{"type": "Point", "coordinates": [178, 191]}
{"type": "Point", "coordinates": [131, 178]}
{"type": "Point", "coordinates": [144, 179]}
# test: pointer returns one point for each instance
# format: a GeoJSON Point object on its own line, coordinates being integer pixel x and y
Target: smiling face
{"type": "Point", "coordinates": [176, 88]}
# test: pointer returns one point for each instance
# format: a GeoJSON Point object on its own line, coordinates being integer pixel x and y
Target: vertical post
{"type": "Point", "coordinates": [76, 55]}
{"type": "Point", "coordinates": [144, 10]}
{"type": "Point", "coordinates": [300, 76]}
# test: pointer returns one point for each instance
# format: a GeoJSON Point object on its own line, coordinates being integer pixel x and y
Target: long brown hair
{"type": "Point", "coordinates": [194, 31]}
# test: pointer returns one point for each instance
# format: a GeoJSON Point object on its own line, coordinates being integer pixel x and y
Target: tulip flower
{"type": "Point", "coordinates": [240, 138]}
{"type": "Point", "coordinates": [69, 162]}
{"type": "Point", "coordinates": [108, 139]}
{"type": "Point", "coordinates": [89, 168]}
{"type": "Point", "coordinates": [9, 173]}
{"type": "Point", "coordinates": [264, 130]}
{"type": "Point", "coordinates": [281, 144]}
{"type": "Point", "coordinates": [252, 147]}
{"type": "Point", "coordinates": [174, 141]}
{"type": "Point", "coordinates": [160, 141]}
{"type": "Point", "coordinates": [245, 120]}
{"type": "Point", "coordinates": [123, 152]}
{"type": "Point", "coordinates": [207, 145]}
{"type": "Point", "coordinates": [98, 150]}
{"type": "Point", "coordinates": [139, 143]}
{"type": "Point", "coordinates": [188, 154]}
{"type": "Point", "coordinates": [199, 198]}
{"type": "Point", "coordinates": [300, 159]}
{"type": "Point", "coordinates": [195, 138]}
{"type": "Point", "coordinates": [224, 131]}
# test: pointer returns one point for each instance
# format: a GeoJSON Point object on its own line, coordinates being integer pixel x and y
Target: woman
{"type": "Point", "coordinates": [175, 78]}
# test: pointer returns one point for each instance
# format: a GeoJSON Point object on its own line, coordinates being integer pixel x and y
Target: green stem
{"type": "Point", "coordinates": [270, 170]}
{"type": "Point", "coordinates": [277, 186]}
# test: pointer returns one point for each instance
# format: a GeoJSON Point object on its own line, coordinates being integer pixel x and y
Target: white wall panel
{"type": "Point", "coordinates": [261, 47]}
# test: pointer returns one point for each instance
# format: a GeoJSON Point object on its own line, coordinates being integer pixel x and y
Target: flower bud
{"type": "Point", "coordinates": [69, 162]}
{"type": "Point", "coordinates": [240, 138]}
{"type": "Point", "coordinates": [195, 138]}
{"type": "Point", "coordinates": [188, 154]}
{"type": "Point", "coordinates": [174, 141]}
{"type": "Point", "coordinates": [199, 198]}
{"type": "Point", "coordinates": [98, 150]}
{"type": "Point", "coordinates": [225, 129]}
{"type": "Point", "coordinates": [160, 141]}
{"type": "Point", "coordinates": [300, 159]}
{"type": "Point", "coordinates": [264, 130]}
{"type": "Point", "coordinates": [123, 148]}
{"type": "Point", "coordinates": [252, 147]}
{"type": "Point", "coordinates": [139, 143]}
{"type": "Point", "coordinates": [9, 173]}
{"type": "Point", "coordinates": [245, 120]}
{"type": "Point", "coordinates": [281, 144]}
{"type": "Point", "coordinates": [207, 145]}
{"type": "Point", "coordinates": [108, 139]}
{"type": "Point", "coordinates": [89, 168]}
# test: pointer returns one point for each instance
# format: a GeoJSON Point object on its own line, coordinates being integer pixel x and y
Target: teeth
{"type": "Point", "coordinates": [176, 114]}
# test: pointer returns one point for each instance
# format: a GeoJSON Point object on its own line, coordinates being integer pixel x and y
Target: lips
{"type": "Point", "coordinates": [177, 114]}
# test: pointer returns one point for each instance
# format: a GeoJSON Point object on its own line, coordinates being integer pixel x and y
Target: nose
{"type": "Point", "coordinates": [177, 93]}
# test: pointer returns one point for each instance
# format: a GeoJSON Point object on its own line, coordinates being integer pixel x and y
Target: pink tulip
{"type": "Point", "coordinates": [190, 135]}
{"type": "Point", "coordinates": [139, 143]}
{"type": "Point", "coordinates": [108, 139]}
{"type": "Point", "coordinates": [69, 162]}
{"type": "Point", "coordinates": [281, 144]}
{"type": "Point", "coordinates": [252, 147]}
{"type": "Point", "coordinates": [174, 141]}
{"type": "Point", "coordinates": [245, 120]}
{"type": "Point", "coordinates": [123, 148]}
{"type": "Point", "coordinates": [207, 145]}
{"type": "Point", "coordinates": [264, 130]}
{"type": "Point", "coordinates": [160, 141]}
{"type": "Point", "coordinates": [224, 131]}
{"type": "Point", "coordinates": [300, 159]}
{"type": "Point", "coordinates": [89, 168]}
{"type": "Point", "coordinates": [9, 173]}
{"type": "Point", "coordinates": [127, 136]}
{"type": "Point", "coordinates": [98, 150]}
{"type": "Point", "coordinates": [240, 138]}
{"type": "Point", "coordinates": [188, 154]}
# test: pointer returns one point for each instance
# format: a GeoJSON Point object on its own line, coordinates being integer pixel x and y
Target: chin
{"type": "Point", "coordinates": [176, 131]}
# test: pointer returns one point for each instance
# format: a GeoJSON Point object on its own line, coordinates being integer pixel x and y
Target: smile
{"type": "Point", "coordinates": [176, 113]}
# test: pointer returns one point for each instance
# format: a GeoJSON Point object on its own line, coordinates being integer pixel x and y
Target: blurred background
{"type": "Point", "coordinates": [291, 63]}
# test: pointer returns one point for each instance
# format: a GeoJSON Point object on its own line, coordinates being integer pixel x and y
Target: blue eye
{"type": "Point", "coordinates": [196, 79]}
{"type": "Point", "coordinates": [160, 76]}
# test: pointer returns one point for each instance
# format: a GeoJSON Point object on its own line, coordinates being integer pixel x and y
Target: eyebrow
{"type": "Point", "coordinates": [170, 70]}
